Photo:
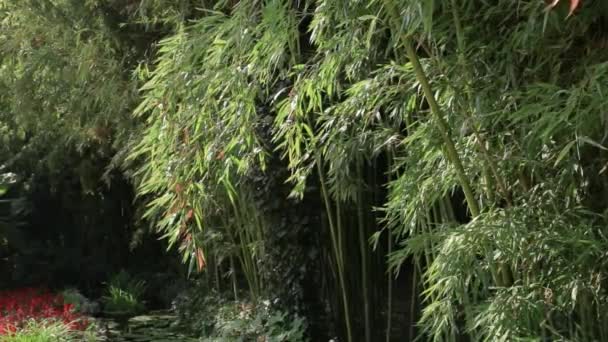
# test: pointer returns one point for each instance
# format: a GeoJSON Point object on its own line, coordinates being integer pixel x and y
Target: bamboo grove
{"type": "Point", "coordinates": [463, 142]}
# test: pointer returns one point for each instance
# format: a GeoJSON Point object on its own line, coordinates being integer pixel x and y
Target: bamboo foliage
{"type": "Point", "coordinates": [440, 314]}
{"type": "Point", "coordinates": [202, 136]}
{"type": "Point", "coordinates": [371, 69]}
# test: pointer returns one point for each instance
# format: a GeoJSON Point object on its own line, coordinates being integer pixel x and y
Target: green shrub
{"type": "Point", "coordinates": [124, 294]}
{"type": "Point", "coordinates": [256, 322]}
{"type": "Point", "coordinates": [119, 300]}
{"type": "Point", "coordinates": [72, 296]}
{"type": "Point", "coordinates": [196, 306]}
{"type": "Point", "coordinates": [210, 315]}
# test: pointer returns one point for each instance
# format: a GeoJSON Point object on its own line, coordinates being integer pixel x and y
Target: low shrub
{"type": "Point", "coordinates": [196, 308]}
{"type": "Point", "coordinates": [72, 297]}
{"type": "Point", "coordinates": [256, 322]}
{"type": "Point", "coordinates": [123, 301]}
{"type": "Point", "coordinates": [81, 303]}
{"type": "Point", "coordinates": [210, 315]}
{"type": "Point", "coordinates": [124, 294]}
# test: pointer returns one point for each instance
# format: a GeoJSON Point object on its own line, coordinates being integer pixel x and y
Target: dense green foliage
{"type": "Point", "coordinates": [209, 314]}
{"type": "Point", "coordinates": [315, 150]}
{"type": "Point", "coordinates": [124, 294]}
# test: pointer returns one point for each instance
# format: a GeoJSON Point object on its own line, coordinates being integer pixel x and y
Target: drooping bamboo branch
{"type": "Point", "coordinates": [450, 153]}
{"type": "Point", "coordinates": [474, 125]}
{"type": "Point", "coordinates": [442, 125]}
{"type": "Point", "coordinates": [505, 274]}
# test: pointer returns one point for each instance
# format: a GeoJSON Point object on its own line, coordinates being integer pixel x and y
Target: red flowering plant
{"type": "Point", "coordinates": [18, 307]}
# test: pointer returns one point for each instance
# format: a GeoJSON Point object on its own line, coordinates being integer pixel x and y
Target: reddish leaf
{"type": "Point", "coordinates": [189, 215]}
{"type": "Point", "coordinates": [573, 5]}
{"type": "Point", "coordinates": [200, 259]}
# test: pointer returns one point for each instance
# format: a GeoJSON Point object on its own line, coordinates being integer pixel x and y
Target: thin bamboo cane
{"type": "Point", "coordinates": [231, 237]}
{"type": "Point", "coordinates": [235, 290]}
{"type": "Point", "coordinates": [216, 272]}
{"type": "Point", "coordinates": [413, 299]}
{"type": "Point", "coordinates": [246, 257]}
{"type": "Point", "coordinates": [389, 276]}
{"type": "Point", "coordinates": [337, 251]}
{"type": "Point", "coordinates": [364, 260]}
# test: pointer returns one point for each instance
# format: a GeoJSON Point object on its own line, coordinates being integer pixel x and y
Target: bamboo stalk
{"type": "Point", "coordinates": [413, 299]}
{"type": "Point", "coordinates": [364, 260]}
{"type": "Point", "coordinates": [337, 251]}
{"type": "Point", "coordinates": [389, 277]}
{"type": "Point", "coordinates": [231, 260]}
{"type": "Point", "coordinates": [246, 257]}
{"type": "Point", "coordinates": [216, 271]}
{"type": "Point", "coordinates": [339, 234]}
{"type": "Point", "coordinates": [389, 309]}
{"type": "Point", "coordinates": [235, 290]}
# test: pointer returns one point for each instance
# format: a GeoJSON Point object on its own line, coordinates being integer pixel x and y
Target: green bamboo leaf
{"type": "Point", "coordinates": [564, 152]}
{"type": "Point", "coordinates": [428, 9]}
{"type": "Point", "coordinates": [592, 142]}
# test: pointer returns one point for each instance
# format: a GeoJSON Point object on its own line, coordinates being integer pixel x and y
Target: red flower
{"type": "Point", "coordinates": [18, 306]}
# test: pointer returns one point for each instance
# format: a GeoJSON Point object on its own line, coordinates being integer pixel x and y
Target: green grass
{"type": "Point", "coordinates": [119, 300]}
{"type": "Point", "coordinates": [49, 331]}
{"type": "Point", "coordinates": [39, 331]}
{"type": "Point", "coordinates": [124, 294]}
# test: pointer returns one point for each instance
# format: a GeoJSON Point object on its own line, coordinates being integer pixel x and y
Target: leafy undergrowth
{"type": "Point", "coordinates": [37, 315]}
{"type": "Point", "coordinates": [124, 294]}
{"type": "Point", "coordinates": [217, 319]}
{"type": "Point", "coordinates": [255, 322]}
